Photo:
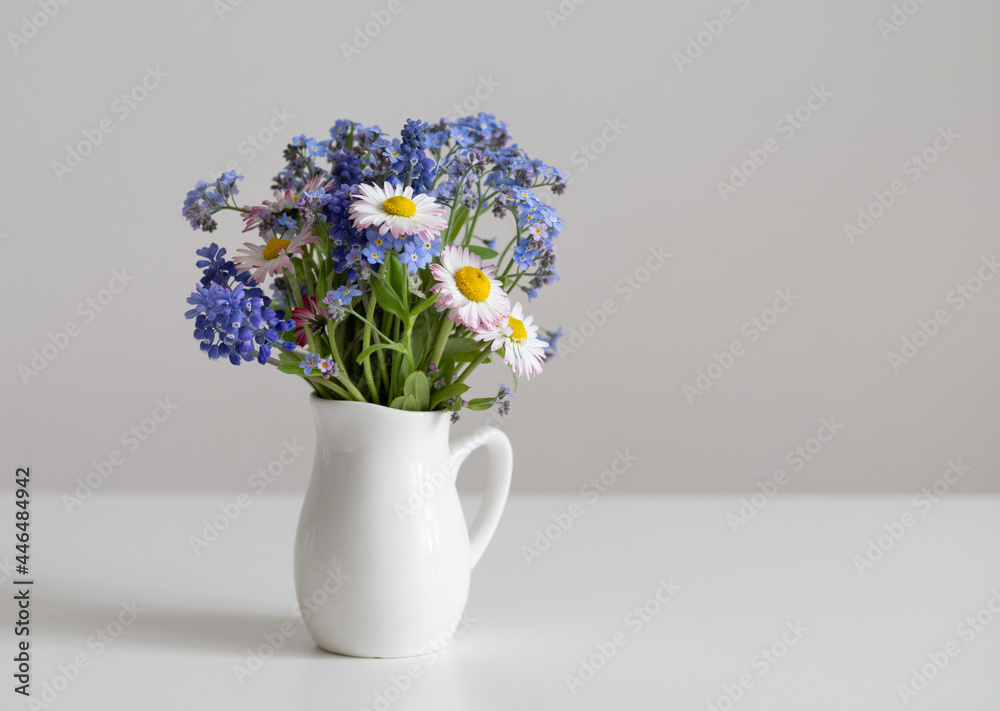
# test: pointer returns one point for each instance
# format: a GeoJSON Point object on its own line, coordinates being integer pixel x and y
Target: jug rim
{"type": "Point", "coordinates": [326, 402]}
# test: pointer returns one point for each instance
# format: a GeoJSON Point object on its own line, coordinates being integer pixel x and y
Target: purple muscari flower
{"type": "Point", "coordinates": [347, 168]}
{"type": "Point", "coordinates": [229, 322]}
{"type": "Point", "coordinates": [217, 269]}
{"type": "Point", "coordinates": [420, 168]}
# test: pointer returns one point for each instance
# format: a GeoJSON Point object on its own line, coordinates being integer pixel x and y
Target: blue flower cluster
{"type": "Point", "coordinates": [230, 323]}
{"type": "Point", "coordinates": [464, 161]}
{"type": "Point", "coordinates": [206, 199]}
{"type": "Point", "coordinates": [216, 269]}
{"type": "Point", "coordinates": [358, 154]}
{"type": "Point", "coordinates": [421, 169]}
{"type": "Point", "coordinates": [231, 313]}
{"type": "Point", "coordinates": [538, 224]}
{"type": "Point", "coordinates": [483, 148]}
{"type": "Point", "coordinates": [552, 338]}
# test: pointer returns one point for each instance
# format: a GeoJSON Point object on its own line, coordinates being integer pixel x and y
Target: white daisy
{"type": "Point", "coordinates": [396, 210]}
{"type": "Point", "coordinates": [464, 286]}
{"type": "Point", "coordinates": [275, 255]}
{"type": "Point", "coordinates": [522, 349]}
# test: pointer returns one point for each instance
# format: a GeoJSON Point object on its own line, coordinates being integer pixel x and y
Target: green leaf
{"type": "Point", "coordinates": [478, 405]}
{"type": "Point", "coordinates": [397, 403]}
{"type": "Point", "coordinates": [420, 339]}
{"type": "Point", "coordinates": [299, 269]}
{"type": "Point", "coordinates": [446, 393]}
{"type": "Point", "coordinates": [447, 366]}
{"type": "Point", "coordinates": [461, 344]}
{"type": "Point", "coordinates": [423, 394]}
{"type": "Point", "coordinates": [423, 305]}
{"type": "Point", "coordinates": [404, 368]}
{"type": "Point", "coordinates": [458, 217]}
{"type": "Point", "coordinates": [410, 403]}
{"type": "Point", "coordinates": [396, 276]}
{"type": "Point", "coordinates": [469, 356]}
{"type": "Point", "coordinates": [292, 368]}
{"type": "Point", "coordinates": [387, 298]}
{"type": "Point", "coordinates": [378, 346]}
{"type": "Point", "coordinates": [418, 387]}
{"type": "Point", "coordinates": [484, 252]}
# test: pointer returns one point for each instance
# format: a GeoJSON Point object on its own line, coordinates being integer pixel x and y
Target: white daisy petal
{"type": "Point", "coordinates": [473, 298]}
{"type": "Point", "coordinates": [396, 209]}
{"type": "Point", "coordinates": [523, 351]}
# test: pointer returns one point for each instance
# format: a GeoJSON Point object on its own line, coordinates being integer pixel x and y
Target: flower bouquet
{"type": "Point", "coordinates": [386, 291]}
{"type": "Point", "coordinates": [386, 285]}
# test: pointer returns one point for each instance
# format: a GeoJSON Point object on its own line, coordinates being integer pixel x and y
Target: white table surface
{"type": "Point", "coordinates": [529, 626]}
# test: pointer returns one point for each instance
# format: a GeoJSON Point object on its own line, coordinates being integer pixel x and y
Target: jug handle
{"type": "Point", "coordinates": [501, 465]}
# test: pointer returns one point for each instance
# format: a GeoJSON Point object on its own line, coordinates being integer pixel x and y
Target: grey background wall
{"type": "Point", "coordinates": [881, 115]}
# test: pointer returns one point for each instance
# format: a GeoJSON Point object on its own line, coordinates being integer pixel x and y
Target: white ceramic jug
{"type": "Point", "coordinates": [382, 514]}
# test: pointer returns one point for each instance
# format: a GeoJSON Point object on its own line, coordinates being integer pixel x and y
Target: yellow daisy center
{"type": "Point", "coordinates": [473, 283]}
{"type": "Point", "coordinates": [520, 332]}
{"type": "Point", "coordinates": [400, 205]}
{"type": "Point", "coordinates": [274, 246]}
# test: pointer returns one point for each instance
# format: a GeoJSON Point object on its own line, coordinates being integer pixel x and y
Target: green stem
{"type": "Point", "coordinates": [515, 240]}
{"type": "Point", "coordinates": [308, 272]}
{"type": "Point", "coordinates": [408, 345]}
{"type": "Point", "coordinates": [516, 279]}
{"type": "Point", "coordinates": [439, 161]}
{"type": "Point", "coordinates": [381, 354]}
{"type": "Point", "coordinates": [293, 285]}
{"type": "Point", "coordinates": [365, 342]}
{"type": "Point", "coordinates": [444, 330]}
{"type": "Point", "coordinates": [476, 362]}
{"type": "Point", "coordinates": [324, 259]}
{"type": "Point", "coordinates": [369, 323]}
{"type": "Point", "coordinates": [407, 337]}
{"type": "Point", "coordinates": [396, 361]}
{"type": "Point", "coordinates": [332, 386]}
{"type": "Point", "coordinates": [342, 374]}
{"type": "Point", "coordinates": [475, 218]}
{"type": "Point", "coordinates": [454, 202]}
